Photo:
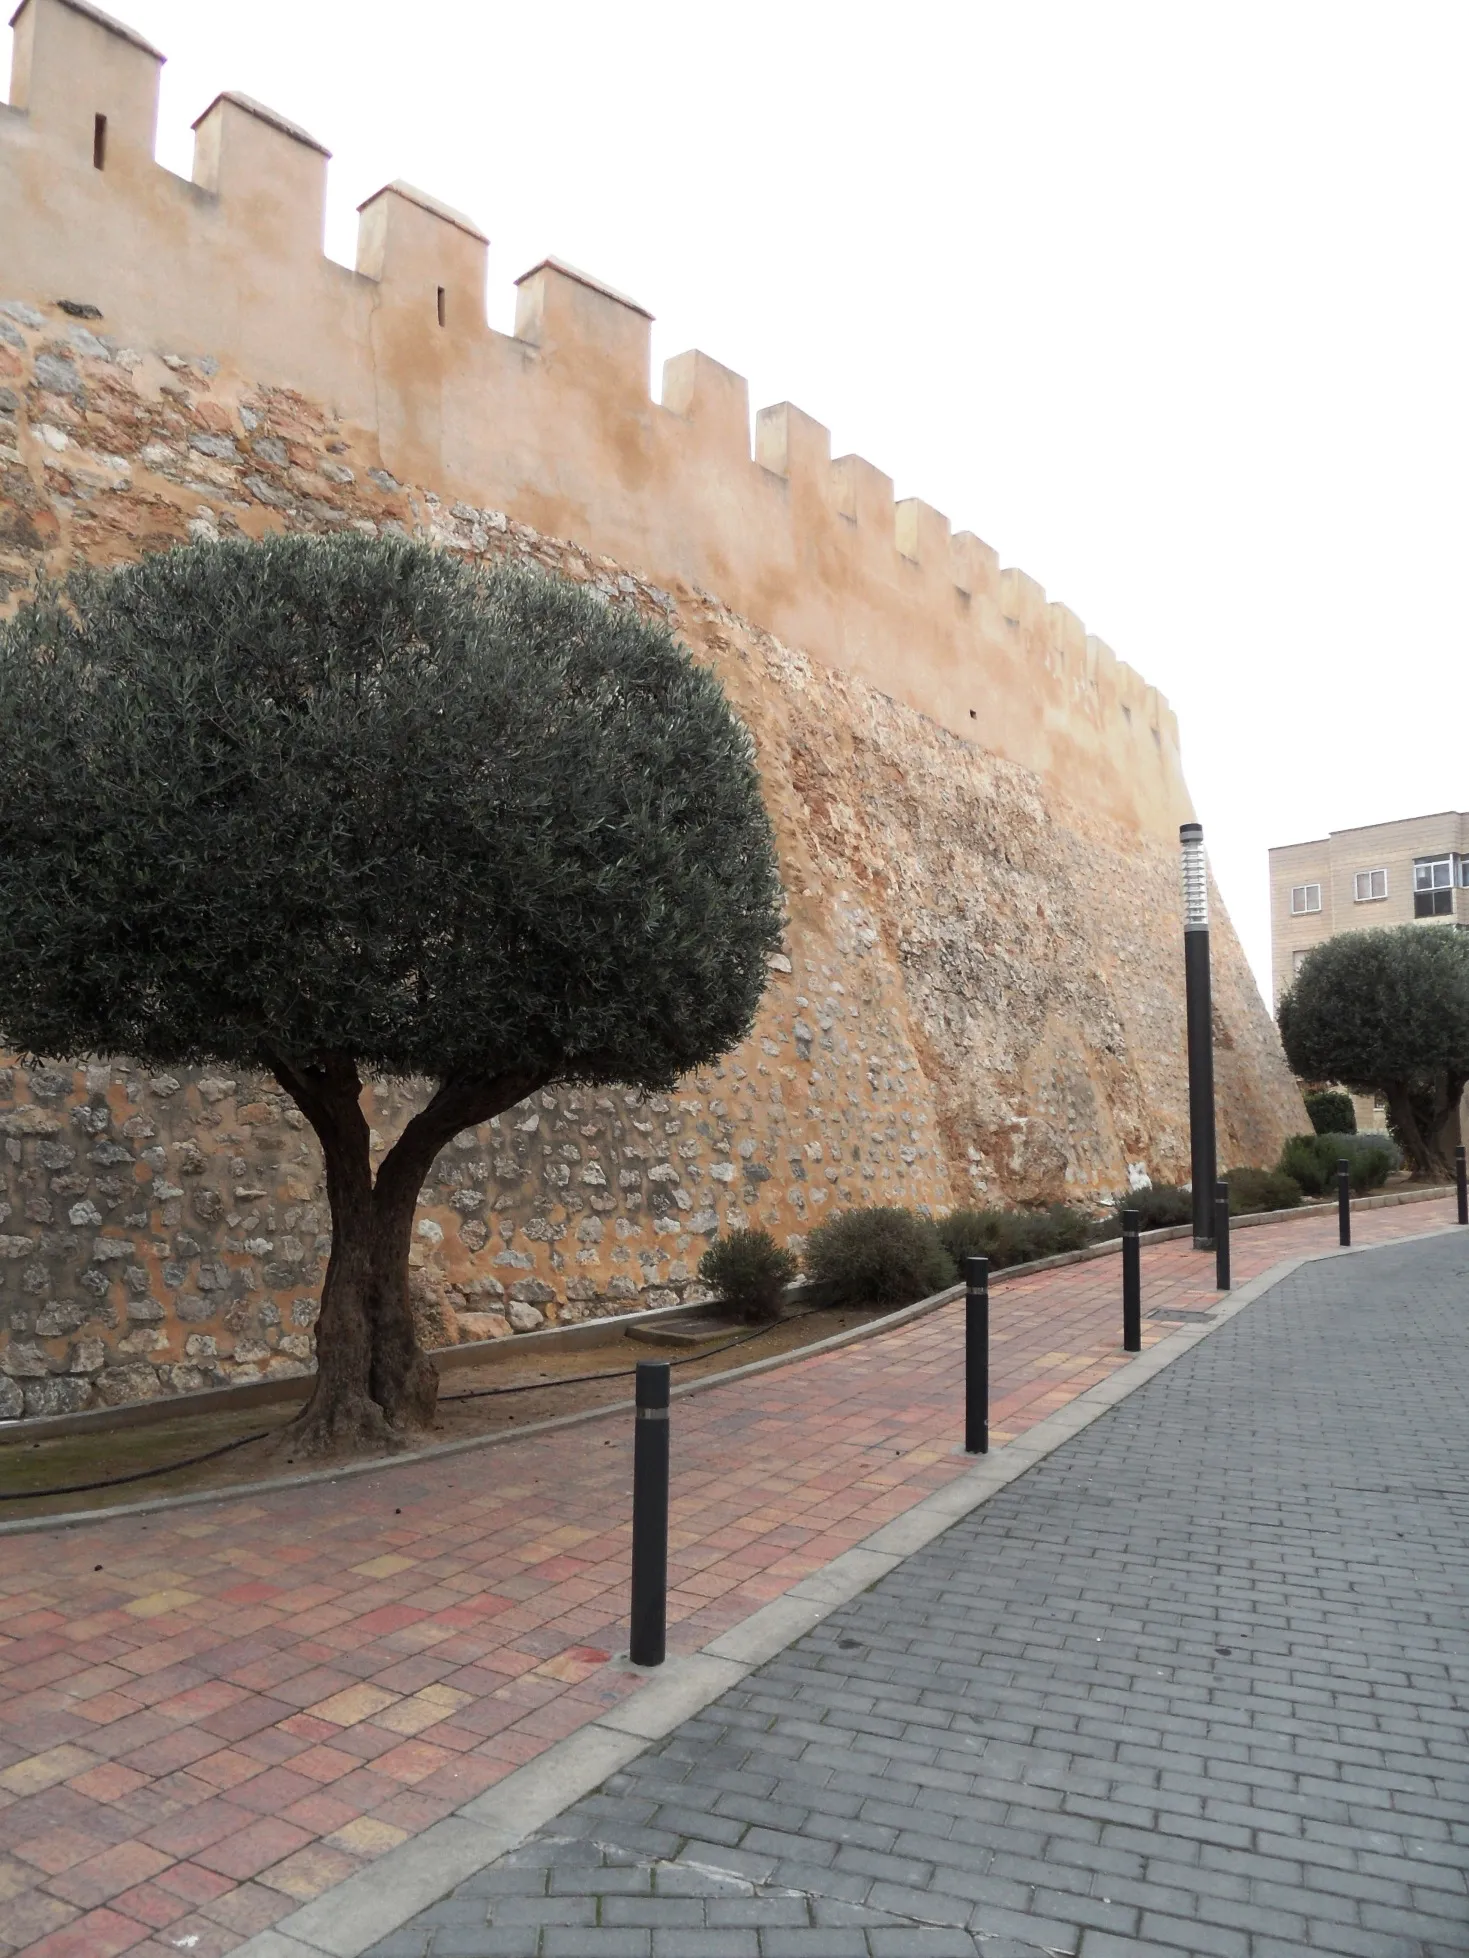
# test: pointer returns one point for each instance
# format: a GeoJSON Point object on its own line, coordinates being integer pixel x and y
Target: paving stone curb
{"type": "Point", "coordinates": [348, 1919]}
{"type": "Point", "coordinates": [874, 1328]}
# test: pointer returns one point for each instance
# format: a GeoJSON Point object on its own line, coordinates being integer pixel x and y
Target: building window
{"type": "Point", "coordinates": [1304, 898]}
{"type": "Point", "coordinates": [1297, 960]}
{"type": "Point", "coordinates": [1370, 885]}
{"type": "Point", "coordinates": [1464, 872]}
{"type": "Point", "coordinates": [1433, 887]}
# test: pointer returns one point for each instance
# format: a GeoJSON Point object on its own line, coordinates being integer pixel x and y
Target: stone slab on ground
{"type": "Point", "coordinates": [1197, 1683]}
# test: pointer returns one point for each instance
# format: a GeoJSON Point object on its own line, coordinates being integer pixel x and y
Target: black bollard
{"type": "Point", "coordinates": [647, 1645]}
{"type": "Point", "coordinates": [1344, 1200]}
{"type": "Point", "coordinates": [1221, 1237]}
{"type": "Point", "coordinates": [1132, 1282]}
{"type": "Point", "coordinates": [977, 1356]}
{"type": "Point", "coordinates": [1462, 1179]}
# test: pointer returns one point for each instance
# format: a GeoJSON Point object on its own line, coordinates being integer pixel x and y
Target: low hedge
{"type": "Point", "coordinates": [1312, 1160]}
{"type": "Point", "coordinates": [879, 1256]}
{"type": "Point", "coordinates": [1013, 1237]}
{"type": "Point", "coordinates": [749, 1271]}
{"type": "Point", "coordinates": [1261, 1189]}
{"type": "Point", "coordinates": [1159, 1207]}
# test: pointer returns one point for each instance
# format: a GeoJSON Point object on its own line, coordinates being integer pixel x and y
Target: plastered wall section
{"type": "Point", "coordinates": [555, 424]}
{"type": "Point", "coordinates": [980, 997]}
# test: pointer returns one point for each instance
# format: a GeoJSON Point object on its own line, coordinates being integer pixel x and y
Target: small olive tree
{"type": "Point", "coordinates": [341, 807]}
{"type": "Point", "coordinates": [1387, 1013]}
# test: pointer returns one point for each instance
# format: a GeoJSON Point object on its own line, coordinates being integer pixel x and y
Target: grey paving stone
{"type": "Point", "coordinates": [1196, 1684]}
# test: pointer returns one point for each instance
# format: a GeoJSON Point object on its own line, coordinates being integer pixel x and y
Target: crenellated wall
{"type": "Point", "coordinates": [980, 999]}
{"type": "Point", "coordinates": [555, 425]}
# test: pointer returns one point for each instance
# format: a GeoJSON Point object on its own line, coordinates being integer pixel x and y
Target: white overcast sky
{"type": "Point", "coordinates": [1166, 301]}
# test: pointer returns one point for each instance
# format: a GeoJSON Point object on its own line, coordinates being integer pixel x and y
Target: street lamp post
{"type": "Point", "coordinates": [1200, 1031]}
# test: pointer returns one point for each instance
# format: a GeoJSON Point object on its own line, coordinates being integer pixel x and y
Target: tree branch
{"type": "Point", "coordinates": [462, 1101]}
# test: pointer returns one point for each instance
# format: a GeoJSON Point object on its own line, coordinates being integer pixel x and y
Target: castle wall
{"type": "Point", "coordinates": [980, 998]}
{"type": "Point", "coordinates": [554, 425]}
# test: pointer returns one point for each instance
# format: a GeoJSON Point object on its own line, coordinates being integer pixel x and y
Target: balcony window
{"type": "Point", "coordinates": [1433, 887]}
{"type": "Point", "coordinates": [1369, 886]}
{"type": "Point", "coordinates": [1304, 898]}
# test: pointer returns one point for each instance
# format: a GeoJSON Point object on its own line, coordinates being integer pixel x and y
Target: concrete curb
{"type": "Point", "coordinates": [348, 1919]}
{"type": "Point", "coordinates": [596, 1332]}
{"type": "Point", "coordinates": [874, 1328]}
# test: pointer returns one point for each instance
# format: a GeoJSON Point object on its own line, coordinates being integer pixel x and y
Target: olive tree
{"type": "Point", "coordinates": [343, 807]}
{"type": "Point", "coordinates": [1387, 1013]}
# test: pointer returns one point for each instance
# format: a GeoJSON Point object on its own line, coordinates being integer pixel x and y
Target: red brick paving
{"type": "Point", "coordinates": [248, 1700]}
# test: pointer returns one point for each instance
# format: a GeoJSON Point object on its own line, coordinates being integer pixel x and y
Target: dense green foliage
{"type": "Point", "coordinates": [1331, 1112]}
{"type": "Point", "coordinates": [1312, 1161]}
{"type": "Point", "coordinates": [749, 1271]}
{"type": "Point", "coordinates": [332, 806]}
{"type": "Point", "coordinates": [1013, 1237]}
{"type": "Point", "coordinates": [1159, 1207]}
{"type": "Point", "coordinates": [879, 1257]}
{"type": "Point", "coordinates": [1261, 1189]}
{"type": "Point", "coordinates": [1387, 1012]}
{"type": "Point", "coordinates": [350, 794]}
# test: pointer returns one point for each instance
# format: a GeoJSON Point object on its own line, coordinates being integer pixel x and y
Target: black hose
{"type": "Point", "coordinates": [626, 1373]}
{"type": "Point", "coordinates": [474, 1394]}
{"type": "Point", "coordinates": [138, 1475]}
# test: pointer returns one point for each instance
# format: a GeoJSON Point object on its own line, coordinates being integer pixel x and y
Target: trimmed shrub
{"type": "Point", "coordinates": [1261, 1189]}
{"type": "Point", "coordinates": [1312, 1160]}
{"type": "Point", "coordinates": [879, 1256]}
{"type": "Point", "coordinates": [1302, 1158]}
{"type": "Point", "coordinates": [1013, 1237]}
{"type": "Point", "coordinates": [1161, 1206]}
{"type": "Point", "coordinates": [749, 1271]}
{"type": "Point", "coordinates": [1331, 1112]}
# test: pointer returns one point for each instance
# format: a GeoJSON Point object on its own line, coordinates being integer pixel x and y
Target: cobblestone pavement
{"type": "Point", "coordinates": [1198, 1683]}
{"type": "Point", "coordinates": [211, 1716]}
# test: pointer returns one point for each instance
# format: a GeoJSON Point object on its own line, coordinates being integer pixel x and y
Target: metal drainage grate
{"type": "Point", "coordinates": [1180, 1315]}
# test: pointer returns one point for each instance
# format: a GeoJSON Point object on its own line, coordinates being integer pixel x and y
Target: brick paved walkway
{"type": "Point", "coordinates": [1195, 1684]}
{"type": "Point", "coordinates": [211, 1716]}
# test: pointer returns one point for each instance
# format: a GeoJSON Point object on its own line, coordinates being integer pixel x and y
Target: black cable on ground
{"type": "Point", "coordinates": [474, 1394]}
{"type": "Point", "coordinates": [626, 1373]}
{"type": "Point", "coordinates": [138, 1475]}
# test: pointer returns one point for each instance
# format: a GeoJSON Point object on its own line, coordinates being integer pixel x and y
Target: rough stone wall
{"type": "Point", "coordinates": [980, 999]}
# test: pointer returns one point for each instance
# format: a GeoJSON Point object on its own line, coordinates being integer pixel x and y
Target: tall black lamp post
{"type": "Point", "coordinates": [1200, 1031]}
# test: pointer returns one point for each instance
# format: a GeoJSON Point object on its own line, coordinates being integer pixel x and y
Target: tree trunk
{"type": "Point", "coordinates": [1429, 1134]}
{"type": "Point", "coordinates": [373, 1380]}
{"type": "Point", "coordinates": [1447, 1132]}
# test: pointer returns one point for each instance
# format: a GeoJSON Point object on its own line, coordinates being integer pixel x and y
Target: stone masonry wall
{"type": "Point", "coordinates": [980, 997]}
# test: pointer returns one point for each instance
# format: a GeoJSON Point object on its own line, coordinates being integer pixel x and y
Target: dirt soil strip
{"type": "Point", "coordinates": [473, 1402]}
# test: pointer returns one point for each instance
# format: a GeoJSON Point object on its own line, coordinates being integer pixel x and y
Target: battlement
{"type": "Point", "coordinates": [555, 423]}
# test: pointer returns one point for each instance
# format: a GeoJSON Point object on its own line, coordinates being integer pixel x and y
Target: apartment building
{"type": "Point", "coordinates": [1353, 879]}
{"type": "Point", "coordinates": [1416, 870]}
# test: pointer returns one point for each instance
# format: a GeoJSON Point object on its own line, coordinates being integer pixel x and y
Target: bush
{"type": "Point", "coordinates": [1159, 1207]}
{"type": "Point", "coordinates": [749, 1271]}
{"type": "Point", "coordinates": [1303, 1159]}
{"type": "Point", "coordinates": [879, 1257]}
{"type": "Point", "coordinates": [1261, 1189]}
{"type": "Point", "coordinates": [1013, 1237]}
{"type": "Point", "coordinates": [1331, 1112]}
{"type": "Point", "coordinates": [1373, 1157]}
{"type": "Point", "coordinates": [1312, 1160]}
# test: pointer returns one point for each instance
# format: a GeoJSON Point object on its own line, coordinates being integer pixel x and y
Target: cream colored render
{"type": "Point", "coordinates": [556, 424]}
{"type": "Point", "coordinates": [1333, 862]}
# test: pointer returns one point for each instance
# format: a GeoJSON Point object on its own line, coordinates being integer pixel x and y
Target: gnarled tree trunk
{"type": "Point", "coordinates": [373, 1380]}
{"type": "Point", "coordinates": [1427, 1124]}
